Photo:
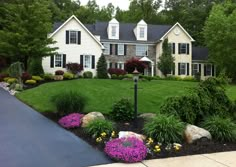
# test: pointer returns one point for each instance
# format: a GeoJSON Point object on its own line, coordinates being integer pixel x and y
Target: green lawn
{"type": "Point", "coordinates": [102, 94]}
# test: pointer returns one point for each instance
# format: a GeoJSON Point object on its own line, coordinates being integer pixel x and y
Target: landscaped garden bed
{"type": "Point", "coordinates": [201, 146]}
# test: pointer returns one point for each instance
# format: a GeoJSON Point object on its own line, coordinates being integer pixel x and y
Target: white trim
{"type": "Point", "coordinates": [74, 17]}
{"type": "Point", "coordinates": [177, 24]}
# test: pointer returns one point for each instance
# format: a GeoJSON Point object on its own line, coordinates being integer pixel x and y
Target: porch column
{"type": "Point", "coordinates": [152, 70]}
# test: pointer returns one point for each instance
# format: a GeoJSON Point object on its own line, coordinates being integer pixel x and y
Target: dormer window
{"type": "Point", "coordinates": [141, 32]}
{"type": "Point", "coordinates": [113, 31]}
{"type": "Point", "coordinates": [73, 37]}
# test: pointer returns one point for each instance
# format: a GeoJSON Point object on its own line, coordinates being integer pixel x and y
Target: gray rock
{"type": "Point", "coordinates": [193, 133]}
{"type": "Point", "coordinates": [91, 117]}
{"type": "Point", "coordinates": [147, 116]}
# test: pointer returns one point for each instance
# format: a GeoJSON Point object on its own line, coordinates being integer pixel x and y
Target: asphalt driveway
{"type": "Point", "coordinates": [28, 139]}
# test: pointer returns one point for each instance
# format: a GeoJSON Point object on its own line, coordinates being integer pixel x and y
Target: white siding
{"type": "Point", "coordinates": [88, 46]}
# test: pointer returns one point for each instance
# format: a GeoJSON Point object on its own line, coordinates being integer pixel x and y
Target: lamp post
{"type": "Point", "coordinates": [135, 78]}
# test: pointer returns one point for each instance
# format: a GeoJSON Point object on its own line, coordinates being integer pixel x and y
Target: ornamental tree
{"type": "Point", "coordinates": [133, 63]}
{"type": "Point", "coordinates": [166, 63]}
{"type": "Point", "coordinates": [102, 68]}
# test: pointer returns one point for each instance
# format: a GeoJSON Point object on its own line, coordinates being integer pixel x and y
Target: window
{"type": "Point", "coordinates": [182, 68]}
{"type": "Point", "coordinates": [120, 49]}
{"type": "Point", "coordinates": [208, 70]}
{"type": "Point", "coordinates": [113, 31]}
{"type": "Point", "coordinates": [120, 65]}
{"type": "Point", "coordinates": [58, 60]}
{"type": "Point", "coordinates": [73, 37]}
{"type": "Point", "coordinates": [141, 50]}
{"type": "Point", "coordinates": [107, 48]}
{"type": "Point", "coordinates": [195, 68]}
{"type": "Point", "coordinates": [183, 48]}
{"type": "Point", "coordinates": [141, 35]}
{"type": "Point", "coordinates": [87, 61]}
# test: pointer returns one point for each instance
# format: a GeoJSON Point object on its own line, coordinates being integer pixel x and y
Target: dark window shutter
{"type": "Point", "coordinates": [187, 68]}
{"type": "Point", "coordinates": [52, 62]}
{"type": "Point", "coordinates": [116, 48]}
{"type": "Point", "coordinates": [200, 68]}
{"type": "Point", "coordinates": [213, 70]}
{"type": "Point", "coordinates": [173, 71]}
{"type": "Point", "coordinates": [179, 48]}
{"type": "Point", "coordinates": [178, 68]}
{"type": "Point", "coordinates": [110, 65]}
{"type": "Point", "coordinates": [110, 49]}
{"type": "Point", "coordinates": [64, 61]}
{"type": "Point", "coordinates": [125, 49]}
{"type": "Point", "coordinates": [67, 37]}
{"type": "Point", "coordinates": [204, 70]}
{"type": "Point", "coordinates": [82, 60]}
{"type": "Point", "coordinates": [173, 48]}
{"type": "Point", "coordinates": [93, 62]}
{"type": "Point", "coordinates": [116, 65]}
{"type": "Point", "coordinates": [79, 37]}
{"type": "Point", "coordinates": [188, 49]}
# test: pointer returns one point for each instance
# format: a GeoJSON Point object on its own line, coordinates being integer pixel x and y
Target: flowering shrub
{"type": "Point", "coordinates": [126, 149]}
{"type": "Point", "coordinates": [116, 71]}
{"type": "Point", "coordinates": [71, 121]}
{"type": "Point", "coordinates": [59, 72]}
{"type": "Point", "coordinates": [25, 76]}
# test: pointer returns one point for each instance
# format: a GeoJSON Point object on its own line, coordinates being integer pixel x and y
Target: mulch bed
{"type": "Point", "coordinates": [202, 146]}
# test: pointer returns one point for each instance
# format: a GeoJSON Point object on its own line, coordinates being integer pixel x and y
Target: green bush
{"type": "Point", "coordinates": [98, 126]}
{"type": "Point", "coordinates": [48, 76]}
{"type": "Point", "coordinates": [189, 78]}
{"type": "Point", "coordinates": [122, 110]}
{"type": "Point", "coordinates": [88, 74]}
{"type": "Point", "coordinates": [128, 76]}
{"type": "Point", "coordinates": [221, 129]}
{"type": "Point", "coordinates": [114, 76]}
{"type": "Point", "coordinates": [30, 82]}
{"type": "Point", "coordinates": [11, 80]}
{"type": "Point", "coordinates": [37, 78]}
{"type": "Point", "coordinates": [35, 66]}
{"type": "Point", "coordinates": [165, 129]}
{"type": "Point", "coordinates": [68, 75]}
{"type": "Point", "coordinates": [184, 107]}
{"type": "Point", "coordinates": [69, 102]}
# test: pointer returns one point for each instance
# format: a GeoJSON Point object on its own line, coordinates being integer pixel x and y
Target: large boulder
{"type": "Point", "coordinates": [126, 134]}
{"type": "Point", "coordinates": [91, 117]}
{"type": "Point", "coordinates": [147, 116]}
{"type": "Point", "coordinates": [193, 133]}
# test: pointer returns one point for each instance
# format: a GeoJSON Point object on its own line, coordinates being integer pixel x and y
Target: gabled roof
{"type": "Point", "coordinates": [199, 54]}
{"type": "Point", "coordinates": [155, 32]}
{"type": "Point", "coordinates": [57, 26]}
{"type": "Point", "coordinates": [177, 24]}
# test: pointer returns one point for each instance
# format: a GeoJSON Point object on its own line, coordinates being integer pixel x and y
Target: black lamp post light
{"type": "Point", "coordinates": [135, 78]}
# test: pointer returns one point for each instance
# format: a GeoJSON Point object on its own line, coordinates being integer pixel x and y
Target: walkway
{"type": "Point", "coordinates": [28, 139]}
{"type": "Point", "coordinates": [223, 159]}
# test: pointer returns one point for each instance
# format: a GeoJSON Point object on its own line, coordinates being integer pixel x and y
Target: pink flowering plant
{"type": "Point", "coordinates": [126, 149]}
{"type": "Point", "coordinates": [71, 121]}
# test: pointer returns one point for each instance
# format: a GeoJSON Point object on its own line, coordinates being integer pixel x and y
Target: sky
{"type": "Point", "coordinates": [123, 4]}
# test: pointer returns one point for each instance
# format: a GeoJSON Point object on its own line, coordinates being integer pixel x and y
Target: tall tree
{"type": "Point", "coordinates": [26, 26]}
{"type": "Point", "coordinates": [166, 63]}
{"type": "Point", "coordinates": [220, 37]}
{"type": "Point", "coordinates": [102, 68]}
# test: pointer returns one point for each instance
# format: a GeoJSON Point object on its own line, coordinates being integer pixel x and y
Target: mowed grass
{"type": "Point", "coordinates": [101, 94]}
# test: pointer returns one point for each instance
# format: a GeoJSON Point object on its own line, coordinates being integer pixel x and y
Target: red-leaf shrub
{"type": "Point", "coordinates": [2, 76]}
{"type": "Point", "coordinates": [133, 63]}
{"type": "Point", "coordinates": [126, 149]}
{"type": "Point", "coordinates": [116, 71]}
{"type": "Point", "coordinates": [25, 76]}
{"type": "Point", "coordinates": [74, 67]}
{"type": "Point", "coordinates": [59, 72]}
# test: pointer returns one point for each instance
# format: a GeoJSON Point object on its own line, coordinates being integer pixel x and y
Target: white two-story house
{"type": "Point", "coordinates": [120, 42]}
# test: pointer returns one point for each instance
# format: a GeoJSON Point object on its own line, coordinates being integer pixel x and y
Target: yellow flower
{"type": "Point", "coordinates": [103, 134]}
{"type": "Point", "coordinates": [150, 140]}
{"type": "Point", "coordinates": [157, 150]}
{"type": "Point", "coordinates": [157, 147]}
{"type": "Point", "coordinates": [98, 140]}
{"type": "Point", "coordinates": [113, 134]}
{"type": "Point", "coordinates": [177, 148]}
